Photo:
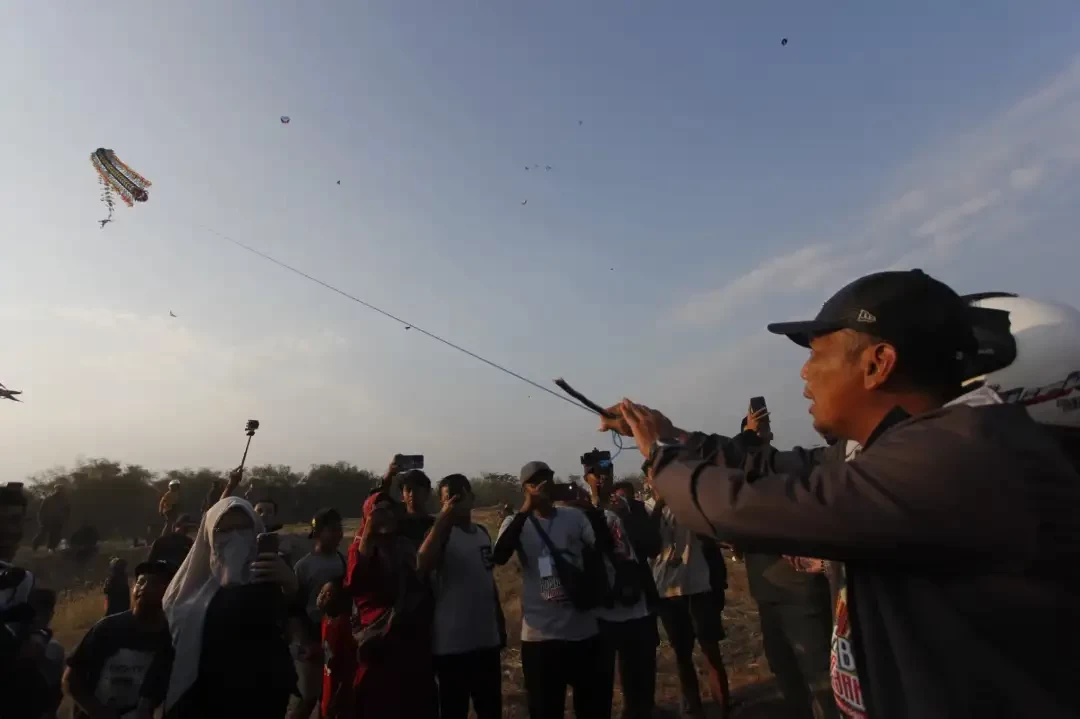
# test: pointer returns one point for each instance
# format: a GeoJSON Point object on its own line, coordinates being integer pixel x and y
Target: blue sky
{"type": "Point", "coordinates": [705, 181]}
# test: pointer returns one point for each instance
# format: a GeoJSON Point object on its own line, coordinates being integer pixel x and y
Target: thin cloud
{"type": "Point", "coordinates": [973, 188]}
{"type": "Point", "coordinates": [1025, 178]}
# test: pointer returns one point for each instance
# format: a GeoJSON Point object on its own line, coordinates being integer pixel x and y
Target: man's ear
{"type": "Point", "coordinates": [879, 365]}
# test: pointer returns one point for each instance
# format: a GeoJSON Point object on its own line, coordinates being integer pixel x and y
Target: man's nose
{"type": "Point", "coordinates": [804, 371]}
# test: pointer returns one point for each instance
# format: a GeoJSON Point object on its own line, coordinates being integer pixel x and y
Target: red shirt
{"type": "Point", "coordinates": [339, 667]}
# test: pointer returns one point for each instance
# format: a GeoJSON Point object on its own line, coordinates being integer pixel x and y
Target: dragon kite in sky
{"type": "Point", "coordinates": [117, 177]}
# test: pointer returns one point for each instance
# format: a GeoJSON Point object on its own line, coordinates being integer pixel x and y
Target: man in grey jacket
{"type": "Point", "coordinates": [958, 526]}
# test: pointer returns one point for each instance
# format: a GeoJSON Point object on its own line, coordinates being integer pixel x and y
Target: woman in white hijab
{"type": "Point", "coordinates": [227, 607]}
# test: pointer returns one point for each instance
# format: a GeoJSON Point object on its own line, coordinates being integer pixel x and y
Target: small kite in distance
{"type": "Point", "coordinates": [171, 314]}
{"type": "Point", "coordinates": [408, 327]}
{"type": "Point", "coordinates": [523, 202]}
{"type": "Point", "coordinates": [580, 122]}
{"type": "Point", "coordinates": [783, 42]}
{"type": "Point", "coordinates": [547, 168]}
{"type": "Point", "coordinates": [6, 393]}
{"type": "Point", "coordinates": [116, 177]}
{"type": "Point", "coordinates": [284, 119]}
{"type": "Point", "coordinates": [339, 182]}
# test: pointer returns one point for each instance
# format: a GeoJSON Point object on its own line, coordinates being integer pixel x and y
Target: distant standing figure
{"type": "Point", "coordinates": [83, 542]}
{"type": "Point", "coordinates": [52, 515]}
{"type": "Point", "coordinates": [117, 591]}
{"type": "Point", "coordinates": [213, 495]}
{"type": "Point", "coordinates": [168, 506]}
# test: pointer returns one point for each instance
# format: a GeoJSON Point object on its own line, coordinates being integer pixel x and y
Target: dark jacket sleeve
{"type": "Point", "coordinates": [644, 533]}
{"type": "Point", "coordinates": [909, 495]}
{"type": "Point", "coordinates": [509, 540]}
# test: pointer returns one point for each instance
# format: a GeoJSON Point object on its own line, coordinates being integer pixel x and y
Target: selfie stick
{"type": "Point", "coordinates": [252, 425]}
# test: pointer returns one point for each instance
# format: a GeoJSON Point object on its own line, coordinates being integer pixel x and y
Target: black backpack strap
{"type": "Point", "coordinates": [544, 536]}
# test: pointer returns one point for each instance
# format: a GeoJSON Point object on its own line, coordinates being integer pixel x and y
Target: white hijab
{"type": "Point", "coordinates": [188, 596]}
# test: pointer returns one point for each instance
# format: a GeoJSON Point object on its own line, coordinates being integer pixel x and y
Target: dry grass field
{"type": "Point", "coordinates": [81, 604]}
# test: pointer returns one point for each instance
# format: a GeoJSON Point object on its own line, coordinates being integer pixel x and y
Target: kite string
{"type": "Point", "coordinates": [399, 320]}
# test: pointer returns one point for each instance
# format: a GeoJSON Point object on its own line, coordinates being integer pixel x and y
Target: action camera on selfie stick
{"type": "Point", "coordinates": [249, 429]}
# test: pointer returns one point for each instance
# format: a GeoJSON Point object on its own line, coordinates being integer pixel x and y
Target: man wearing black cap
{"type": "Point", "coordinates": [106, 672]}
{"type": "Point", "coordinates": [174, 547]}
{"type": "Point", "coordinates": [958, 524]}
{"type": "Point", "coordinates": [416, 494]}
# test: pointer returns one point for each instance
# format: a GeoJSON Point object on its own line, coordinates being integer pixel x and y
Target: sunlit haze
{"type": "Point", "coordinates": [704, 180]}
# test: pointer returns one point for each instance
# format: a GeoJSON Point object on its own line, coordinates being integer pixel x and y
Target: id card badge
{"type": "Point", "coordinates": [544, 563]}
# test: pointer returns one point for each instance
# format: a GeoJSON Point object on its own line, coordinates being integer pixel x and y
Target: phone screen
{"type": "Point", "coordinates": [410, 461]}
{"type": "Point", "coordinates": [757, 404]}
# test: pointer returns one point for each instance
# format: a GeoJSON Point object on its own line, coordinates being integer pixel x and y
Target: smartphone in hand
{"type": "Point", "coordinates": [267, 543]}
{"type": "Point", "coordinates": [406, 462]}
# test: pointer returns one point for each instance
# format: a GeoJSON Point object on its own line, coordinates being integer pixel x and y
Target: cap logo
{"type": "Point", "coordinates": [865, 316]}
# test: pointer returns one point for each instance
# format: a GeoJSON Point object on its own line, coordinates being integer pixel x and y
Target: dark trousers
{"type": "Point", "coordinates": [475, 675]}
{"type": "Point", "coordinates": [797, 641]}
{"type": "Point", "coordinates": [49, 534]}
{"type": "Point", "coordinates": [170, 521]}
{"type": "Point", "coordinates": [634, 643]}
{"type": "Point", "coordinates": [551, 666]}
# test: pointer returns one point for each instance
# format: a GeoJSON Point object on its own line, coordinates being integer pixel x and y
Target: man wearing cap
{"type": "Point", "coordinates": [109, 674]}
{"type": "Point", "coordinates": [958, 526]}
{"type": "Point", "coordinates": [323, 564]}
{"type": "Point", "coordinates": [416, 494]}
{"type": "Point", "coordinates": [173, 548]}
{"type": "Point", "coordinates": [560, 645]}
{"type": "Point", "coordinates": [628, 629]}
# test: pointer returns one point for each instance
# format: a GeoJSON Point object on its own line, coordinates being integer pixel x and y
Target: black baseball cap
{"type": "Point", "coordinates": [414, 479]}
{"type": "Point", "coordinates": [322, 518]}
{"type": "Point", "coordinates": [908, 309]}
{"type": "Point", "coordinates": [157, 568]}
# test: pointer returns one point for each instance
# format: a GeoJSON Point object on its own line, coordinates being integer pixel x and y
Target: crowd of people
{"type": "Point", "coordinates": [920, 563]}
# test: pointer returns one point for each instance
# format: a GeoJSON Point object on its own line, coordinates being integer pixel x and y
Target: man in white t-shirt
{"type": "Point", "coordinates": [469, 629]}
{"type": "Point", "coordinates": [560, 645]}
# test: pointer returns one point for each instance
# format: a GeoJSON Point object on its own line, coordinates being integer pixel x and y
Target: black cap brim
{"type": "Point", "coordinates": [157, 568]}
{"type": "Point", "coordinates": [802, 332]}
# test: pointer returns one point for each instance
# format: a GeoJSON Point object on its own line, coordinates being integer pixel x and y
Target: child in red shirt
{"type": "Point", "coordinates": [339, 652]}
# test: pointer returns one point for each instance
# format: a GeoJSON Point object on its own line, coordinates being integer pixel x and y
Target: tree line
{"type": "Point", "coordinates": [120, 500]}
